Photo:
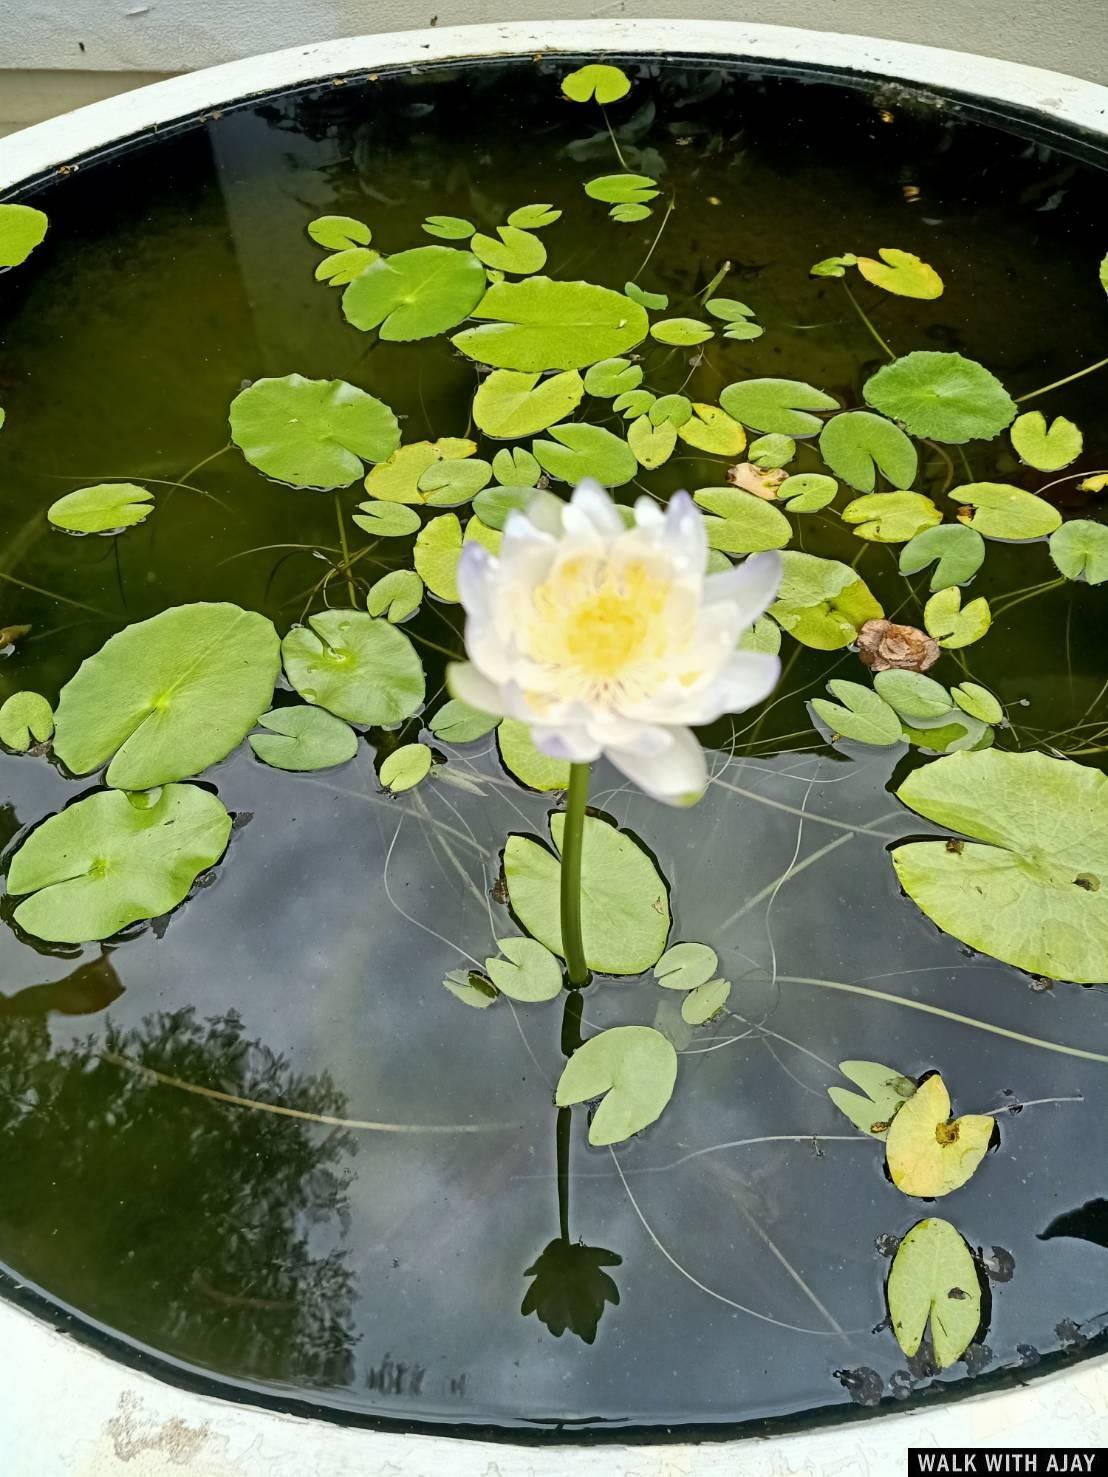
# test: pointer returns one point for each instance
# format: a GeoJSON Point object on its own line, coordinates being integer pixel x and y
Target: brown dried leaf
{"type": "Point", "coordinates": [763, 484]}
{"type": "Point", "coordinates": [9, 635]}
{"type": "Point", "coordinates": [884, 647]}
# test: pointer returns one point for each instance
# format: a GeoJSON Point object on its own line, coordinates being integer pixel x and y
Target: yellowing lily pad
{"type": "Point", "coordinates": [933, 1276]}
{"type": "Point", "coordinates": [952, 624]}
{"type": "Point", "coordinates": [891, 517]}
{"type": "Point", "coordinates": [822, 602]}
{"type": "Point", "coordinates": [902, 273]}
{"type": "Point", "coordinates": [927, 1153]}
{"type": "Point", "coordinates": [599, 80]}
{"type": "Point", "coordinates": [1047, 449]}
{"type": "Point", "coordinates": [711, 429]}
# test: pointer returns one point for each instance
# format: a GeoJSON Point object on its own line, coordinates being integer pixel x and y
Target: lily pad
{"type": "Point", "coordinates": [891, 517]}
{"type": "Point", "coordinates": [657, 302]}
{"type": "Point", "coordinates": [303, 739]}
{"type": "Point", "coordinates": [744, 524]}
{"type": "Point", "coordinates": [913, 695]}
{"type": "Point", "coordinates": [599, 80]}
{"type": "Point", "coordinates": [509, 404]}
{"type": "Point", "coordinates": [471, 988]}
{"type": "Point", "coordinates": [114, 859]}
{"type": "Point", "coordinates": [22, 228]}
{"type": "Point", "coordinates": [448, 482]}
{"type": "Point", "coordinates": [1002, 511]}
{"type": "Point", "coordinates": [437, 551]}
{"type": "Point", "coordinates": [168, 696]}
{"type": "Point", "coordinates": [533, 217]}
{"type": "Point", "coordinates": [954, 625]}
{"type": "Point", "coordinates": [530, 766]}
{"type": "Point", "coordinates": [311, 433]}
{"type": "Point", "coordinates": [685, 966]}
{"type": "Point", "coordinates": [457, 723]}
{"type": "Point", "coordinates": [711, 429]}
{"type": "Point", "coordinates": [857, 445]}
{"type": "Point", "coordinates": [728, 308]}
{"type": "Point", "coordinates": [360, 669]}
{"type": "Point", "coordinates": [580, 450]}
{"type": "Point", "coordinates": [1047, 449]}
{"type": "Point", "coordinates": [943, 396]}
{"type": "Point", "coordinates": [822, 602]}
{"type": "Point", "coordinates": [517, 251]}
{"type": "Point", "coordinates": [396, 595]}
{"type": "Point", "coordinates": [1080, 550]}
{"type": "Point", "coordinates": [397, 479]}
{"type": "Point", "coordinates": [622, 189]}
{"type": "Point", "coordinates": [339, 232]}
{"type": "Point", "coordinates": [772, 452]}
{"type": "Point", "coordinates": [860, 714]}
{"type": "Point", "coordinates": [1030, 887]}
{"type": "Point", "coordinates": [902, 273]}
{"type": "Point", "coordinates": [933, 1276]}
{"type": "Point", "coordinates": [25, 718]}
{"type": "Point", "coordinates": [342, 267]}
{"type": "Point", "coordinates": [633, 403]}
{"type": "Point", "coordinates": [884, 1093]}
{"type": "Point", "coordinates": [527, 972]}
{"type": "Point", "coordinates": [406, 767]}
{"type": "Point", "coordinates": [681, 333]}
{"type": "Point", "coordinates": [956, 551]}
{"type": "Point", "coordinates": [652, 445]}
{"type": "Point", "coordinates": [624, 905]}
{"type": "Point", "coordinates": [929, 1155]}
{"type": "Point", "coordinates": [807, 492]}
{"type": "Point", "coordinates": [386, 520]}
{"type": "Point", "coordinates": [833, 266]}
{"type": "Point", "coordinates": [633, 1068]}
{"type": "Point", "coordinates": [670, 410]}
{"type": "Point", "coordinates": [516, 467]}
{"type": "Point", "coordinates": [109, 507]}
{"type": "Point", "coordinates": [541, 324]}
{"type": "Point", "coordinates": [776, 405]}
{"type": "Point", "coordinates": [978, 702]}
{"type": "Point", "coordinates": [611, 377]}
{"type": "Point", "coordinates": [415, 294]}
{"type": "Point", "coordinates": [764, 635]}
{"type": "Point", "coordinates": [494, 504]}
{"type": "Point", "coordinates": [705, 1002]}
{"type": "Point", "coordinates": [449, 227]}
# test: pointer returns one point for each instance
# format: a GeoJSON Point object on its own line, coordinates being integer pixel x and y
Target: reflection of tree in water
{"type": "Point", "coordinates": [197, 1226]}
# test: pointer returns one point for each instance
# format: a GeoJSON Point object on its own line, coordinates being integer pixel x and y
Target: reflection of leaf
{"type": "Point", "coordinates": [744, 524]}
{"type": "Point", "coordinates": [528, 971]}
{"type": "Point", "coordinates": [580, 450]}
{"type": "Point", "coordinates": [22, 228]}
{"type": "Point", "coordinates": [705, 1002]}
{"type": "Point", "coordinates": [884, 1093]}
{"type": "Point", "coordinates": [1048, 450]}
{"type": "Point", "coordinates": [529, 765]}
{"type": "Point", "coordinates": [958, 553]}
{"type": "Point", "coordinates": [509, 404]}
{"type": "Point", "coordinates": [541, 324]}
{"type": "Point", "coordinates": [106, 508]}
{"type": "Point", "coordinates": [857, 445]}
{"type": "Point", "coordinates": [952, 624]}
{"type": "Point", "coordinates": [1002, 511]}
{"type": "Point", "coordinates": [776, 405]}
{"type": "Point", "coordinates": [361, 669]}
{"type": "Point", "coordinates": [1031, 887]}
{"type": "Point", "coordinates": [685, 966]}
{"type": "Point", "coordinates": [415, 294]}
{"type": "Point", "coordinates": [86, 990]}
{"type": "Point", "coordinates": [168, 696]}
{"type": "Point", "coordinates": [633, 1068]}
{"type": "Point", "coordinates": [891, 517]}
{"type": "Point", "coordinates": [933, 1276]}
{"type": "Point", "coordinates": [624, 906]}
{"type": "Point", "coordinates": [113, 859]}
{"type": "Point", "coordinates": [406, 767]}
{"type": "Point", "coordinates": [942, 396]}
{"type": "Point", "coordinates": [1080, 550]}
{"type": "Point", "coordinates": [860, 714]}
{"type": "Point", "coordinates": [929, 1154]}
{"type": "Point", "coordinates": [902, 273]}
{"type": "Point", "coordinates": [25, 717]}
{"type": "Point", "coordinates": [311, 433]}
{"type": "Point", "coordinates": [599, 80]}
{"type": "Point", "coordinates": [304, 738]}
{"type": "Point", "coordinates": [821, 602]}
{"type": "Point", "coordinates": [571, 1288]}
{"type": "Point", "coordinates": [711, 429]}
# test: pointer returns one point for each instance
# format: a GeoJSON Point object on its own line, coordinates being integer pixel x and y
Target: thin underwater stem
{"type": "Point", "coordinates": [1057, 384]}
{"type": "Point", "coordinates": [857, 306]}
{"type": "Point", "coordinates": [572, 845]}
{"type": "Point", "coordinates": [345, 547]}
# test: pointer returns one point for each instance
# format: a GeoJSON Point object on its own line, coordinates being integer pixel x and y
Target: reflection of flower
{"type": "Point", "coordinates": [609, 639]}
{"type": "Point", "coordinates": [570, 1289]}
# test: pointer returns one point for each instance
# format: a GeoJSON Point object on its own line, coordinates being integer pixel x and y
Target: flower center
{"type": "Point", "coordinates": [599, 617]}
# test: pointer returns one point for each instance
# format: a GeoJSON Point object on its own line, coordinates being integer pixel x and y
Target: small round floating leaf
{"type": "Point", "coordinates": [821, 602]}
{"type": "Point", "coordinates": [494, 504]}
{"type": "Point", "coordinates": [1047, 449]}
{"type": "Point", "coordinates": [168, 696]}
{"type": "Point", "coordinates": [339, 232]}
{"type": "Point", "coordinates": [728, 308]}
{"type": "Point", "coordinates": [956, 551]}
{"type": "Point", "coordinates": [1031, 886]}
{"type": "Point", "coordinates": [515, 467]}
{"type": "Point", "coordinates": [1080, 550]}
{"type": "Point", "coordinates": [471, 988]}
{"type": "Point", "coordinates": [541, 324]}
{"type": "Point", "coordinates": [833, 266]}
{"type": "Point", "coordinates": [396, 595]}
{"type": "Point", "coordinates": [711, 429]}
{"type": "Point", "coordinates": [533, 217]}
{"type": "Point", "coordinates": [361, 669]}
{"type": "Point", "coordinates": [772, 452]}
{"type": "Point", "coordinates": [744, 524]}
{"type": "Point", "coordinates": [611, 377]}
{"type": "Point", "coordinates": [450, 227]}
{"type": "Point", "coordinates": [860, 714]}
{"type": "Point", "coordinates": [303, 739]}
{"type": "Point", "coordinates": [580, 450]}
{"type": "Point", "coordinates": [657, 302]}
{"type": "Point", "coordinates": [927, 1154]}
{"type": "Point", "coordinates": [530, 766]}
{"type": "Point", "coordinates": [891, 517]}
{"type": "Point", "coordinates": [902, 273]}
{"type": "Point", "coordinates": [415, 294]}
{"type": "Point", "coordinates": [510, 404]}
{"type": "Point", "coordinates": [396, 480]}
{"type": "Point", "coordinates": [457, 723]}
{"type": "Point", "coordinates": [776, 405]}
{"type": "Point", "coordinates": [685, 966]}
{"type": "Point", "coordinates": [633, 403]}
{"type": "Point", "coordinates": [857, 445]}
{"type": "Point", "coordinates": [681, 333]}
{"type": "Point", "coordinates": [1002, 511]}
{"type": "Point", "coordinates": [599, 80]}
{"type": "Point", "coordinates": [451, 481]}
{"type": "Point", "coordinates": [705, 1002]}
{"type": "Point", "coordinates": [437, 551]}
{"type": "Point", "coordinates": [627, 214]}
{"type": "Point", "coordinates": [807, 492]}
{"type": "Point", "coordinates": [528, 971]}
{"type": "Point", "coordinates": [311, 433]}
{"type": "Point", "coordinates": [624, 906]}
{"type": "Point", "coordinates": [764, 635]}
{"type": "Point", "coordinates": [673, 410]}
{"type": "Point", "coordinates": [943, 396]}
{"type": "Point", "coordinates": [633, 1068]}
{"type": "Point", "coordinates": [341, 268]}
{"type": "Point", "coordinates": [884, 1093]}
{"type": "Point", "coordinates": [651, 444]}
{"type": "Point", "coordinates": [108, 507]}
{"type": "Point", "coordinates": [743, 331]}
{"type": "Point", "coordinates": [25, 718]}
{"type": "Point", "coordinates": [953, 625]}
{"type": "Point", "coordinates": [622, 189]}
{"type": "Point", "coordinates": [386, 520]}
{"type": "Point", "coordinates": [518, 252]}
{"type": "Point", "coordinates": [109, 861]}
{"type": "Point", "coordinates": [22, 228]}
{"type": "Point", "coordinates": [406, 767]}
{"type": "Point", "coordinates": [978, 702]}
{"type": "Point", "coordinates": [912, 694]}
{"type": "Point", "coordinates": [933, 1276]}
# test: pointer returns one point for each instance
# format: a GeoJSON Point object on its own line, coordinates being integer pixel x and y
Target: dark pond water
{"type": "Point", "coordinates": [377, 1265]}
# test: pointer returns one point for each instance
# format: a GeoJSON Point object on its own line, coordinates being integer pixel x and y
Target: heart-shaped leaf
{"type": "Point", "coordinates": [396, 595]}
{"type": "Point", "coordinates": [956, 551]}
{"type": "Point", "coordinates": [933, 1276]}
{"type": "Point", "coordinates": [884, 1093]}
{"type": "Point", "coordinates": [776, 405]}
{"type": "Point", "coordinates": [449, 227]}
{"type": "Point", "coordinates": [1048, 449]}
{"type": "Point", "coordinates": [822, 602]}
{"type": "Point", "coordinates": [517, 251]}
{"type": "Point", "coordinates": [386, 520]}
{"type": "Point", "coordinates": [685, 966]}
{"type": "Point", "coordinates": [902, 273]}
{"type": "Point", "coordinates": [303, 739]}
{"type": "Point", "coordinates": [711, 429]}
{"type": "Point", "coordinates": [533, 217]}
{"type": "Point", "coordinates": [954, 625]}
{"type": "Point", "coordinates": [25, 718]}
{"type": "Point", "coordinates": [978, 702]}
{"type": "Point", "coordinates": [891, 517]}
{"type": "Point", "coordinates": [339, 232]}
{"type": "Point", "coordinates": [1002, 511]}
{"type": "Point", "coordinates": [527, 972]}
{"type": "Point", "coordinates": [540, 324]}
{"type": "Point", "coordinates": [343, 266]}
{"type": "Point", "coordinates": [611, 377]}
{"type": "Point", "coordinates": [651, 444]}
{"type": "Point", "coordinates": [807, 492]}
{"type": "Point", "coordinates": [580, 450]}
{"type": "Point", "coordinates": [530, 766]}
{"type": "Point", "coordinates": [860, 714]}
{"type": "Point", "coordinates": [634, 1069]}
{"type": "Point", "coordinates": [622, 189]}
{"type": "Point", "coordinates": [943, 396]}
{"type": "Point", "coordinates": [772, 452]}
{"type": "Point", "coordinates": [913, 695]}
{"type": "Point", "coordinates": [744, 524]}
{"type": "Point", "coordinates": [453, 480]}
{"type": "Point", "coordinates": [509, 404]}
{"type": "Point", "coordinates": [515, 467]}
{"type": "Point", "coordinates": [109, 507]}
{"type": "Point", "coordinates": [1080, 550]}
{"type": "Point", "coordinates": [858, 444]}
{"type": "Point", "coordinates": [397, 479]}
{"type": "Point", "coordinates": [457, 723]}
{"type": "Point", "coordinates": [705, 1002]}
{"type": "Point", "coordinates": [22, 228]}
{"type": "Point", "coordinates": [415, 294]}
{"type": "Point", "coordinates": [360, 669]}
{"type": "Point", "coordinates": [599, 80]}
{"type": "Point", "coordinates": [764, 635]}
{"type": "Point", "coordinates": [929, 1155]}
{"type": "Point", "coordinates": [311, 433]}
{"type": "Point", "coordinates": [406, 767]}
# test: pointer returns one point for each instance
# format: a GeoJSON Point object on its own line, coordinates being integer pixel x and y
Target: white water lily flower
{"type": "Point", "coordinates": [609, 639]}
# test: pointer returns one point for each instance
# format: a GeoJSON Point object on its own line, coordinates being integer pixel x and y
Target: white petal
{"type": "Point", "coordinates": [648, 514]}
{"type": "Point", "coordinates": [591, 508]}
{"type": "Point", "coordinates": [476, 584]}
{"type": "Point", "coordinates": [466, 683]}
{"type": "Point", "coordinates": [751, 586]}
{"type": "Point", "coordinates": [686, 537]}
{"type": "Point", "coordinates": [570, 743]}
{"type": "Point", "coordinates": [677, 775]}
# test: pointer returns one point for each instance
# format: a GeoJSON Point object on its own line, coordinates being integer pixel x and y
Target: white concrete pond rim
{"type": "Point", "coordinates": [80, 1399]}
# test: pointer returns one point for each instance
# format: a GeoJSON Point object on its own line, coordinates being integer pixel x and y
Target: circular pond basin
{"type": "Point", "coordinates": [250, 1131]}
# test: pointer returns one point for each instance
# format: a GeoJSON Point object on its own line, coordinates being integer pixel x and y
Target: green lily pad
{"type": "Point", "coordinates": [168, 696]}
{"type": "Point", "coordinates": [360, 669]}
{"type": "Point", "coordinates": [956, 551]}
{"type": "Point", "coordinates": [772, 452]}
{"type": "Point", "coordinates": [25, 718]}
{"type": "Point", "coordinates": [1005, 512]}
{"type": "Point", "coordinates": [624, 905]}
{"type": "Point", "coordinates": [517, 251]}
{"type": "Point", "coordinates": [891, 517]}
{"type": "Point", "coordinates": [633, 403]}
{"type": "Point", "coordinates": [1048, 449]}
{"type": "Point", "coordinates": [599, 80]}
{"type": "Point", "coordinates": [933, 1276]}
{"type": "Point", "coordinates": [611, 377]}
{"type": "Point", "coordinates": [622, 189]}
{"type": "Point", "coordinates": [681, 333]}
{"type": "Point", "coordinates": [776, 405]}
{"type": "Point", "coordinates": [303, 739]}
{"type": "Point", "coordinates": [857, 445]}
{"type": "Point", "coordinates": [705, 1002]}
{"type": "Point", "coordinates": [396, 595]}
{"type": "Point", "coordinates": [671, 410]}
{"type": "Point", "coordinates": [860, 714]}
{"type": "Point", "coordinates": [510, 404]}
{"type": "Point", "coordinates": [450, 481]}
{"type": "Point", "coordinates": [657, 302]}
{"type": "Point", "coordinates": [437, 551]}
{"type": "Point", "coordinates": [22, 228]}
{"type": "Point", "coordinates": [978, 702]}
{"type": "Point", "coordinates": [685, 966]}
{"type": "Point", "coordinates": [709, 428]}
{"type": "Point", "coordinates": [628, 213]}
{"type": "Point", "coordinates": [528, 971]}
{"type": "Point", "coordinates": [449, 227]}
{"type": "Point", "coordinates": [541, 324]}
{"type": "Point", "coordinates": [471, 988]}
{"type": "Point", "coordinates": [651, 444]}
{"type": "Point", "coordinates": [744, 524]}
{"type": "Point", "coordinates": [397, 479]}
{"type": "Point", "coordinates": [833, 266]}
{"type": "Point", "coordinates": [913, 695]}
{"type": "Point", "coordinates": [902, 273]}
{"type": "Point", "coordinates": [580, 450]}
{"type": "Point", "coordinates": [515, 467]}
{"type": "Point", "coordinates": [530, 766]}
{"type": "Point", "coordinates": [634, 1069]}
{"type": "Point", "coordinates": [386, 520]}
{"type": "Point", "coordinates": [1080, 550]}
{"type": "Point", "coordinates": [406, 767]}
{"type": "Point", "coordinates": [342, 267]}
{"type": "Point", "coordinates": [339, 232]}
{"type": "Point", "coordinates": [1030, 887]}
{"type": "Point", "coordinates": [952, 624]}
{"type": "Point", "coordinates": [533, 217]}
{"type": "Point", "coordinates": [744, 330]}
{"type": "Point", "coordinates": [494, 504]}
{"type": "Point", "coordinates": [884, 1093]}
{"type": "Point", "coordinates": [114, 859]}
{"type": "Point", "coordinates": [764, 635]}
{"type": "Point", "coordinates": [821, 602]}
{"type": "Point", "coordinates": [943, 396]}
{"type": "Point", "coordinates": [109, 507]}
{"type": "Point", "coordinates": [457, 723]}
{"type": "Point", "coordinates": [728, 308]}
{"type": "Point", "coordinates": [807, 492]}
{"type": "Point", "coordinates": [311, 433]}
{"type": "Point", "coordinates": [415, 294]}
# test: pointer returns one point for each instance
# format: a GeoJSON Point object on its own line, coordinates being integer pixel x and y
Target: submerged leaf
{"type": "Point", "coordinates": [821, 602]}
{"type": "Point", "coordinates": [528, 971]}
{"type": "Point", "coordinates": [406, 767]}
{"type": "Point", "coordinates": [928, 1154]}
{"type": "Point", "coordinates": [744, 524]}
{"type": "Point", "coordinates": [599, 80]}
{"type": "Point", "coordinates": [361, 669]}
{"type": "Point", "coordinates": [860, 714]}
{"type": "Point", "coordinates": [311, 433]}
{"type": "Point", "coordinates": [884, 1093]}
{"type": "Point", "coordinates": [415, 294]}
{"type": "Point", "coordinates": [933, 1276]}
{"type": "Point", "coordinates": [634, 1069]}
{"type": "Point", "coordinates": [1046, 449]}
{"type": "Point", "coordinates": [954, 625]}
{"type": "Point", "coordinates": [891, 517]}
{"type": "Point", "coordinates": [25, 718]}
{"type": "Point", "coordinates": [109, 507]}
{"type": "Point", "coordinates": [685, 966]}
{"type": "Point", "coordinates": [303, 739]}
{"type": "Point", "coordinates": [1080, 550]}
{"type": "Point", "coordinates": [942, 396]}
{"type": "Point", "coordinates": [776, 405]}
{"type": "Point", "coordinates": [1002, 511]}
{"type": "Point", "coordinates": [530, 766]}
{"type": "Point", "coordinates": [509, 405]}
{"type": "Point", "coordinates": [902, 273]}
{"type": "Point", "coordinates": [858, 444]}
{"type": "Point", "coordinates": [541, 324]}
{"type": "Point", "coordinates": [580, 450]}
{"type": "Point", "coordinates": [957, 552]}
{"type": "Point", "coordinates": [22, 228]}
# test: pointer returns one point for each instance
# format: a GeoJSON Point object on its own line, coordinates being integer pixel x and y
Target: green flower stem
{"type": "Point", "coordinates": [572, 843]}
{"type": "Point", "coordinates": [857, 306]}
{"type": "Point", "coordinates": [345, 547]}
